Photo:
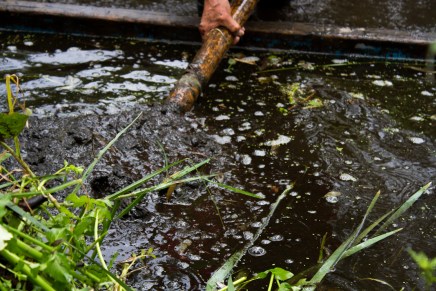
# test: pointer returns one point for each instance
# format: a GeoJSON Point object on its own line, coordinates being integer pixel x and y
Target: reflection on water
{"type": "Point", "coordinates": [90, 79]}
{"type": "Point", "coordinates": [371, 128]}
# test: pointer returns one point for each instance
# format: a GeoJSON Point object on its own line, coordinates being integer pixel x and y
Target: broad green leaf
{"type": "Point", "coordinates": [56, 234]}
{"type": "Point", "coordinates": [5, 236]}
{"type": "Point", "coordinates": [58, 267]}
{"type": "Point", "coordinates": [12, 124]}
{"type": "Point", "coordinates": [282, 274]}
{"type": "Point", "coordinates": [78, 201]}
{"type": "Point", "coordinates": [84, 226]}
{"type": "Point", "coordinates": [288, 287]}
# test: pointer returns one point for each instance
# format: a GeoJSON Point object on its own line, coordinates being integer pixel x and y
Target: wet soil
{"type": "Point", "coordinates": [371, 129]}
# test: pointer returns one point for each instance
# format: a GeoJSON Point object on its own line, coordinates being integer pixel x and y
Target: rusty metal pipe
{"type": "Point", "coordinates": [207, 59]}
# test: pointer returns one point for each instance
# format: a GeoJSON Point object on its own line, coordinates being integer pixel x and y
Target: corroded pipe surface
{"type": "Point", "coordinates": [207, 59]}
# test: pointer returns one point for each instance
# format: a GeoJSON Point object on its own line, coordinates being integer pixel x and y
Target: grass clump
{"type": "Point", "coordinates": [47, 244]}
{"type": "Point", "coordinates": [361, 238]}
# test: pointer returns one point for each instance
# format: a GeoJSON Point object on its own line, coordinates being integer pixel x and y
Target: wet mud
{"type": "Point", "coordinates": [266, 120]}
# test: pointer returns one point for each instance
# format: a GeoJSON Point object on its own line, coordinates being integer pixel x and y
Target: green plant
{"type": "Point", "coordinates": [56, 245]}
{"type": "Point", "coordinates": [360, 239]}
{"type": "Point", "coordinates": [427, 266]}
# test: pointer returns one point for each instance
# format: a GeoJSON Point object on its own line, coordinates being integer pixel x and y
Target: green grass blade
{"type": "Point", "coordinates": [339, 252]}
{"type": "Point", "coordinates": [103, 151]}
{"type": "Point", "coordinates": [47, 191]}
{"type": "Point", "coordinates": [188, 169]}
{"type": "Point", "coordinates": [140, 194]}
{"type": "Point", "coordinates": [236, 190]}
{"type": "Point", "coordinates": [369, 242]}
{"type": "Point", "coordinates": [23, 214]}
{"type": "Point", "coordinates": [403, 208]}
{"type": "Point", "coordinates": [226, 268]}
{"type": "Point", "coordinates": [367, 230]}
{"type": "Point", "coordinates": [140, 182]}
{"type": "Point", "coordinates": [221, 274]}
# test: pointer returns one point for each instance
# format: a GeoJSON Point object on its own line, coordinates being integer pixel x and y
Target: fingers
{"type": "Point", "coordinates": [235, 29]}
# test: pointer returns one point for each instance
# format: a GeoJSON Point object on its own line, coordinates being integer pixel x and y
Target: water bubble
{"type": "Point", "coordinates": [248, 235]}
{"type": "Point", "coordinates": [256, 251]}
{"type": "Point", "coordinates": [332, 199]}
{"type": "Point", "coordinates": [289, 261]}
{"type": "Point", "coordinates": [246, 160]}
{"type": "Point", "coordinates": [256, 224]}
{"type": "Point", "coordinates": [277, 237]}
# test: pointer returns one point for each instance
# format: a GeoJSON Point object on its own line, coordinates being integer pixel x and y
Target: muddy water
{"type": "Point", "coordinates": [357, 127]}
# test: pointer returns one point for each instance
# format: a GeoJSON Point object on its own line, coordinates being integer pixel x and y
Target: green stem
{"type": "Point", "coordinates": [18, 159]}
{"type": "Point", "coordinates": [271, 281]}
{"type": "Point", "coordinates": [97, 245]}
{"type": "Point", "coordinates": [36, 279]}
{"type": "Point", "coordinates": [31, 252]}
{"type": "Point", "coordinates": [237, 282]}
{"type": "Point", "coordinates": [47, 191]}
{"type": "Point", "coordinates": [9, 93]}
{"type": "Point", "coordinates": [29, 238]}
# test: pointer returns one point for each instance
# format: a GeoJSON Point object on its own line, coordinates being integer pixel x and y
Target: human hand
{"type": "Point", "coordinates": [217, 13]}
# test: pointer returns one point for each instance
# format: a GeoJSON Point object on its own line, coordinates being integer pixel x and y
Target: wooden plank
{"type": "Point", "coordinates": [66, 18]}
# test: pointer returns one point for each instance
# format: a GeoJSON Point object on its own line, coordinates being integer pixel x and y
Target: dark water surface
{"type": "Point", "coordinates": [359, 126]}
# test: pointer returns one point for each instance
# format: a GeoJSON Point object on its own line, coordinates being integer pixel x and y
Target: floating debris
{"type": "Point", "coordinates": [222, 139]}
{"type": "Point", "coordinates": [259, 153]}
{"type": "Point", "coordinates": [281, 140]}
{"type": "Point", "coordinates": [339, 61]}
{"type": "Point", "coordinates": [222, 117]}
{"type": "Point", "coordinates": [347, 177]}
{"type": "Point", "coordinates": [357, 95]}
{"type": "Point", "coordinates": [382, 83]}
{"type": "Point", "coordinates": [416, 118]}
{"type": "Point", "coordinates": [416, 140]}
{"type": "Point", "coordinates": [248, 60]}
{"type": "Point", "coordinates": [426, 93]}
{"type": "Point", "coordinates": [232, 79]}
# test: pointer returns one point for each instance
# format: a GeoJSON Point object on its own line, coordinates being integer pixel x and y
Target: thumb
{"type": "Point", "coordinates": [231, 25]}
